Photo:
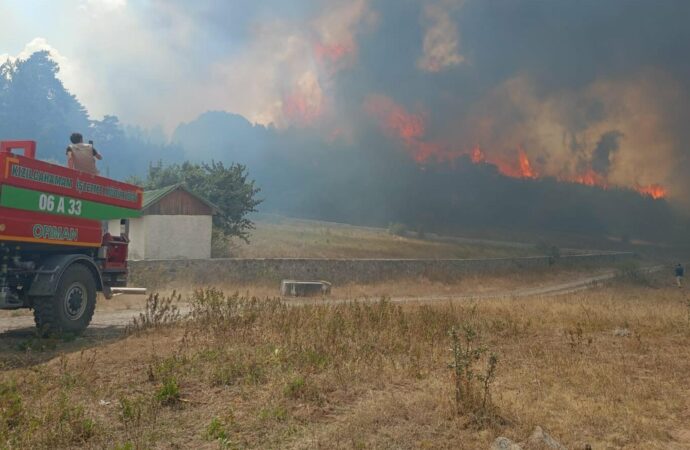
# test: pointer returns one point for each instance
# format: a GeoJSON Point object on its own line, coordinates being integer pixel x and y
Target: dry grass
{"type": "Point", "coordinates": [467, 285]}
{"type": "Point", "coordinates": [311, 239]}
{"type": "Point", "coordinates": [262, 374]}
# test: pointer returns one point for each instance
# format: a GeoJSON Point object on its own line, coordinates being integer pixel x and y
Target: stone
{"type": "Point", "coordinates": [539, 437]}
{"type": "Point", "coordinates": [294, 288]}
{"type": "Point", "coordinates": [503, 443]}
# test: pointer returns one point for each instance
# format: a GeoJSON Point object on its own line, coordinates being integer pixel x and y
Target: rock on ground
{"type": "Point", "coordinates": [503, 443]}
{"type": "Point", "coordinates": [541, 438]}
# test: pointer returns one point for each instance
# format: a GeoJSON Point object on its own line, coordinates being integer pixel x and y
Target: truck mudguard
{"type": "Point", "coordinates": [48, 275]}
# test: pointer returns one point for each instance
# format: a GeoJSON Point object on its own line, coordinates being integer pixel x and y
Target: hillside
{"type": "Point", "coordinates": [282, 237]}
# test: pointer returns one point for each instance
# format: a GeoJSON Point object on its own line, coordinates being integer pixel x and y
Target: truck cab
{"type": "Point", "coordinates": [55, 255]}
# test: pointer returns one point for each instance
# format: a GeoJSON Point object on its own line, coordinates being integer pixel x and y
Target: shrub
{"type": "Point", "coordinates": [169, 393]}
{"type": "Point", "coordinates": [158, 311]}
{"type": "Point", "coordinates": [472, 388]}
{"type": "Point", "coordinates": [216, 430]}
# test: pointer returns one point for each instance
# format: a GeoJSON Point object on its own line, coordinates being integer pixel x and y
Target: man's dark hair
{"type": "Point", "coordinates": [76, 138]}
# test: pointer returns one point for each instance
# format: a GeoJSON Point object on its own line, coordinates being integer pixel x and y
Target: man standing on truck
{"type": "Point", "coordinates": [80, 156]}
{"type": "Point", "coordinates": [680, 272]}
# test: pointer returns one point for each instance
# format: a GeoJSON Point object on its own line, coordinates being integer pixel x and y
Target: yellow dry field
{"type": "Point", "coordinates": [295, 238]}
{"type": "Point", "coordinates": [606, 367]}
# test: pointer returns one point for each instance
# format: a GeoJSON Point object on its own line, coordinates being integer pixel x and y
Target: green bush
{"type": "Point", "coordinates": [169, 392]}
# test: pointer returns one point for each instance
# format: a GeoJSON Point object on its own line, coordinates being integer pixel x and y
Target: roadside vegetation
{"type": "Point", "coordinates": [606, 368]}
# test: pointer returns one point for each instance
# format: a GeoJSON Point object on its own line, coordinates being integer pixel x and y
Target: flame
{"type": "Point", "coordinates": [396, 121]}
{"type": "Point", "coordinates": [477, 155]}
{"type": "Point", "coordinates": [526, 170]}
{"type": "Point", "coordinates": [304, 105]}
{"type": "Point", "coordinates": [520, 167]}
{"type": "Point", "coordinates": [300, 110]}
{"type": "Point", "coordinates": [410, 128]}
{"type": "Point", "coordinates": [655, 191]}
{"type": "Point", "coordinates": [589, 177]}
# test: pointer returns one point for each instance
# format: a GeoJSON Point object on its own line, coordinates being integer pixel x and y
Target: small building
{"type": "Point", "coordinates": [175, 224]}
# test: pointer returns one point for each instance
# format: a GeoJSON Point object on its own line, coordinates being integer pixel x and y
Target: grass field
{"type": "Point", "coordinates": [277, 237]}
{"type": "Point", "coordinates": [606, 367]}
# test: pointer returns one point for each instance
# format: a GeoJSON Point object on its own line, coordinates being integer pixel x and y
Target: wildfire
{"type": "Point", "coordinates": [396, 121]}
{"type": "Point", "coordinates": [304, 105]}
{"type": "Point", "coordinates": [410, 128]}
{"type": "Point", "coordinates": [477, 155]}
{"type": "Point", "coordinates": [526, 170]}
{"type": "Point", "coordinates": [300, 110]}
{"type": "Point", "coordinates": [520, 167]}
{"type": "Point", "coordinates": [589, 178]}
{"type": "Point", "coordinates": [655, 191]}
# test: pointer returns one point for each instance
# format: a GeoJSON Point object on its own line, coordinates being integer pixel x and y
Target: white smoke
{"type": "Point", "coordinates": [442, 38]}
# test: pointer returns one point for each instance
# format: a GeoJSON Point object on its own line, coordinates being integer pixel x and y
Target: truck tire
{"type": "Point", "coordinates": [71, 308]}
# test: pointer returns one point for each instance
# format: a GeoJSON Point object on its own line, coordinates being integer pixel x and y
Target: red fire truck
{"type": "Point", "coordinates": [55, 252]}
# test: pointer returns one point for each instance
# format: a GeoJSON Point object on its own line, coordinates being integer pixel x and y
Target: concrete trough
{"type": "Point", "coordinates": [295, 288]}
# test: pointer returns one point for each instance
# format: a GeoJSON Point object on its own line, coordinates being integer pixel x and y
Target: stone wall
{"type": "Point", "coordinates": [153, 274]}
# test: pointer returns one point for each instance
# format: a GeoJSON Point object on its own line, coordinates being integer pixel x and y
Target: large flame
{"type": "Point", "coordinates": [410, 128]}
{"type": "Point", "coordinates": [655, 191]}
{"type": "Point", "coordinates": [396, 121]}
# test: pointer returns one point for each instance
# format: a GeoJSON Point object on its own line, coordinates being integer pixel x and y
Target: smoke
{"type": "Point", "coordinates": [567, 132]}
{"type": "Point", "coordinates": [584, 92]}
{"type": "Point", "coordinates": [605, 151]}
{"type": "Point", "coordinates": [441, 38]}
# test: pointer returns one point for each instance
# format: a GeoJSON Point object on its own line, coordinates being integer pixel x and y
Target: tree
{"type": "Point", "coordinates": [36, 105]}
{"type": "Point", "coordinates": [229, 188]}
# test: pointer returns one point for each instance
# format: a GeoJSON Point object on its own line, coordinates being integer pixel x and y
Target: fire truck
{"type": "Point", "coordinates": [56, 253]}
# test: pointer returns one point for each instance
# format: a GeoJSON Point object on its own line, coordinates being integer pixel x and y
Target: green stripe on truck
{"type": "Point", "coordinates": [61, 205]}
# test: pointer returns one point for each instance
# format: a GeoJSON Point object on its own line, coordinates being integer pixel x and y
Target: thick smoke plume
{"type": "Point", "coordinates": [403, 95]}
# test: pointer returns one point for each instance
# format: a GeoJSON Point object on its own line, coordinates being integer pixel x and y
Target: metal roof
{"type": "Point", "coordinates": [154, 196]}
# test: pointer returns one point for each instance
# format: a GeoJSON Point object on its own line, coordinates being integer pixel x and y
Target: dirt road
{"type": "Point", "coordinates": [114, 319]}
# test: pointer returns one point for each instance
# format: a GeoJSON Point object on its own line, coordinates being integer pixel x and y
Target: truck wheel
{"type": "Point", "coordinates": [71, 308]}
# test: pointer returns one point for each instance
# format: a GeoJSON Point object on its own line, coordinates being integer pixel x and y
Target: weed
{"type": "Point", "coordinates": [38, 343]}
{"type": "Point", "coordinates": [237, 369]}
{"type": "Point", "coordinates": [169, 393]}
{"type": "Point", "coordinates": [11, 408]}
{"type": "Point", "coordinates": [216, 430]}
{"type": "Point", "coordinates": [69, 423]}
{"type": "Point", "coordinates": [167, 367]}
{"type": "Point", "coordinates": [158, 311]}
{"type": "Point", "coordinates": [295, 388]}
{"type": "Point", "coordinates": [631, 272]}
{"type": "Point", "coordinates": [576, 338]}
{"type": "Point", "coordinates": [68, 379]}
{"type": "Point", "coordinates": [472, 389]}
{"type": "Point", "coordinates": [278, 413]}
{"type": "Point", "coordinates": [125, 446]}
{"type": "Point", "coordinates": [132, 412]}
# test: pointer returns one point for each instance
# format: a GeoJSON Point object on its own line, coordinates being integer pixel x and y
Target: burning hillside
{"type": "Point", "coordinates": [410, 129]}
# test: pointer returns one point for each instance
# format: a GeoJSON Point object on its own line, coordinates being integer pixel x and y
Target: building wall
{"type": "Point", "coordinates": [172, 237]}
